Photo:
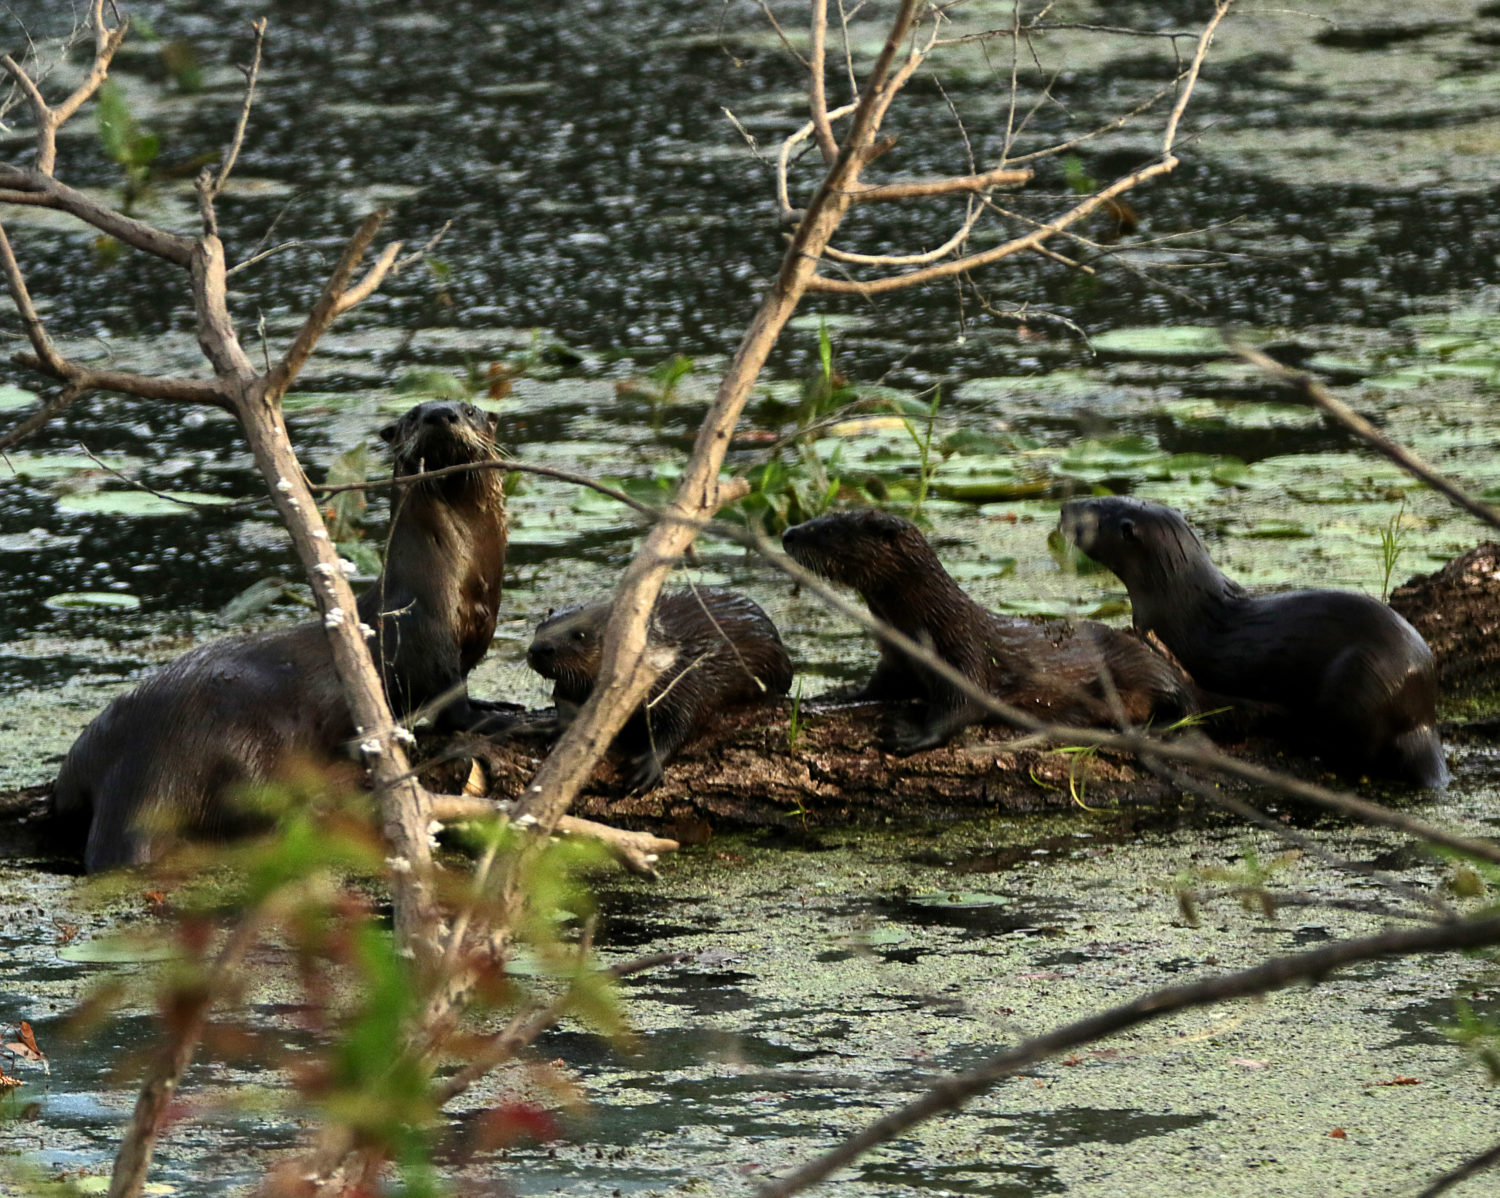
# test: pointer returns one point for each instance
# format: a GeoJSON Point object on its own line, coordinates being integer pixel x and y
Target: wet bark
{"type": "Point", "coordinates": [1457, 611]}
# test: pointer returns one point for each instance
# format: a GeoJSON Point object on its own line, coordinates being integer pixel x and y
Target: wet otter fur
{"type": "Point", "coordinates": [1052, 670]}
{"type": "Point", "coordinates": [1356, 679]}
{"type": "Point", "coordinates": [726, 653]}
{"type": "Point", "coordinates": [172, 754]}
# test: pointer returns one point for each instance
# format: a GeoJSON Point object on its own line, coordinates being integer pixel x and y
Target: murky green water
{"type": "Point", "coordinates": [1336, 199]}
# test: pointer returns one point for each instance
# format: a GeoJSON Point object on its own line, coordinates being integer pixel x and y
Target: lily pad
{"type": "Point", "coordinates": [139, 503]}
{"type": "Point", "coordinates": [92, 601]}
{"type": "Point", "coordinates": [1163, 341]}
{"type": "Point", "coordinates": [1214, 414]}
{"type": "Point", "coordinates": [960, 898]}
{"type": "Point", "coordinates": [114, 951]}
{"type": "Point", "coordinates": [44, 466]}
{"type": "Point", "coordinates": [13, 399]}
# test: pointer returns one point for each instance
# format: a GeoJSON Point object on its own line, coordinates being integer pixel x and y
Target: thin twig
{"type": "Point", "coordinates": [1341, 413]}
{"type": "Point", "coordinates": [252, 73]}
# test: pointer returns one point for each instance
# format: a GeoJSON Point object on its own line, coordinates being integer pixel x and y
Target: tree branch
{"type": "Point", "coordinates": [330, 304]}
{"type": "Point", "coordinates": [38, 190]}
{"type": "Point", "coordinates": [1000, 176]}
{"type": "Point", "coordinates": [252, 73]}
{"type": "Point", "coordinates": [49, 119]}
{"type": "Point", "coordinates": [817, 92]}
{"type": "Point", "coordinates": [1341, 413]}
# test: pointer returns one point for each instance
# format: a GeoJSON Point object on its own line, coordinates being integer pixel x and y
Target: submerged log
{"type": "Point", "coordinates": [744, 772]}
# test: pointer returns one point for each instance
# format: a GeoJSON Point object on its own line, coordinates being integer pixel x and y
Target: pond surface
{"type": "Point", "coordinates": [1337, 200]}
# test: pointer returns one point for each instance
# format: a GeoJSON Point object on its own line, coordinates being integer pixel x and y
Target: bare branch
{"type": "Point", "coordinates": [147, 386]}
{"type": "Point", "coordinates": [50, 119]}
{"type": "Point", "coordinates": [1000, 176]}
{"type": "Point", "coordinates": [328, 307]}
{"type": "Point", "coordinates": [1320, 397]}
{"type": "Point", "coordinates": [362, 290]}
{"type": "Point", "coordinates": [36, 332]}
{"type": "Point", "coordinates": [636, 851]}
{"type": "Point", "coordinates": [1190, 80]}
{"type": "Point", "coordinates": [970, 262]}
{"type": "Point", "coordinates": [942, 251]}
{"type": "Point", "coordinates": [252, 72]}
{"type": "Point", "coordinates": [817, 85]}
{"type": "Point", "coordinates": [39, 190]}
{"type": "Point", "coordinates": [1275, 974]}
{"type": "Point", "coordinates": [106, 42]}
{"type": "Point", "coordinates": [783, 159]}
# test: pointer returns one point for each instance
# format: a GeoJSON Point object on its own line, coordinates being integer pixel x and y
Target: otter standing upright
{"type": "Point", "coordinates": [1358, 678]}
{"type": "Point", "coordinates": [1076, 674]}
{"type": "Point", "coordinates": [170, 755]}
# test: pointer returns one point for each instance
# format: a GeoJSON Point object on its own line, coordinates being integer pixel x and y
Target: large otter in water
{"type": "Point", "coordinates": [726, 652]}
{"type": "Point", "coordinates": [1068, 673]}
{"type": "Point", "coordinates": [1357, 679]}
{"type": "Point", "coordinates": [171, 754]}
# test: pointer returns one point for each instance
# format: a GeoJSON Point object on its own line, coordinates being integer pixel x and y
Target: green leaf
{"type": "Point", "coordinates": [116, 125]}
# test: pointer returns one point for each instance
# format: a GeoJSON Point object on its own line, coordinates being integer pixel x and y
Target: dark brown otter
{"type": "Point", "coordinates": [1357, 680]}
{"type": "Point", "coordinates": [1055, 671]}
{"type": "Point", "coordinates": [726, 652]}
{"type": "Point", "coordinates": [172, 753]}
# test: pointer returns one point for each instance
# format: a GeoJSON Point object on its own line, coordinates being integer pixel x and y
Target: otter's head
{"type": "Point", "coordinates": [1142, 542]}
{"type": "Point", "coordinates": [867, 549]}
{"type": "Point", "coordinates": [439, 433]}
{"type": "Point", "coordinates": [566, 648]}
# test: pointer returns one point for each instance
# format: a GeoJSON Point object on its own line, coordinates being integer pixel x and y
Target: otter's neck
{"type": "Point", "coordinates": [925, 603]}
{"type": "Point", "coordinates": [1182, 598]}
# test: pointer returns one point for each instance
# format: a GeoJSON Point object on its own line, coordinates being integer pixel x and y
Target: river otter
{"type": "Point", "coordinates": [1054, 671]}
{"type": "Point", "coordinates": [172, 753]}
{"type": "Point", "coordinates": [1357, 679]}
{"type": "Point", "coordinates": [727, 652]}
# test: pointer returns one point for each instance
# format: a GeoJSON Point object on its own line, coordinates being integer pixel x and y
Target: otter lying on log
{"type": "Point", "coordinates": [171, 755]}
{"type": "Point", "coordinates": [1357, 679]}
{"type": "Point", "coordinates": [1054, 671]}
{"type": "Point", "coordinates": [726, 652]}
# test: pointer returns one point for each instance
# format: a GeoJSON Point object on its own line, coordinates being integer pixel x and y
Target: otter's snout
{"type": "Point", "coordinates": [1079, 523]}
{"type": "Point", "coordinates": [542, 657]}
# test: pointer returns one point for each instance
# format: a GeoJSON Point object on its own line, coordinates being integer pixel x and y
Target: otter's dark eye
{"type": "Point", "coordinates": [470, 410]}
{"type": "Point", "coordinates": [580, 635]}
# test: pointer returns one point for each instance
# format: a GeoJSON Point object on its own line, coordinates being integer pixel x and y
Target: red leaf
{"type": "Point", "coordinates": [506, 1124]}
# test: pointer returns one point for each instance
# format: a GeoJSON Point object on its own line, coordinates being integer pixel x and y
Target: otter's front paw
{"type": "Point", "coordinates": [905, 736]}
{"type": "Point", "coordinates": [644, 774]}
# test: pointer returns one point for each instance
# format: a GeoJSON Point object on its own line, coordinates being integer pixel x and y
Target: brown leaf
{"type": "Point", "coordinates": [1338, 1133]}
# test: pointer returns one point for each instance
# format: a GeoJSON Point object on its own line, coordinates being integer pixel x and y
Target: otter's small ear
{"type": "Point", "coordinates": [493, 420]}
{"type": "Point", "coordinates": [388, 433]}
{"type": "Point", "coordinates": [1127, 529]}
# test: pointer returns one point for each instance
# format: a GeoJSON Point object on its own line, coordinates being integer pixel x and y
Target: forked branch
{"type": "Point", "coordinates": [49, 119]}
